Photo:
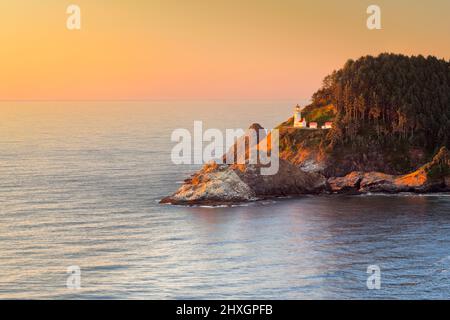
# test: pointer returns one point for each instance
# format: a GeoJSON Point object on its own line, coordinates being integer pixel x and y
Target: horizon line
{"type": "Point", "coordinates": [151, 100]}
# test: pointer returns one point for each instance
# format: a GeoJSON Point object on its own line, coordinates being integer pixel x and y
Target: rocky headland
{"type": "Point", "coordinates": [390, 134]}
{"type": "Point", "coordinates": [223, 184]}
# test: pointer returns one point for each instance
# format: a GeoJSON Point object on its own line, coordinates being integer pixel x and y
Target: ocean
{"type": "Point", "coordinates": [80, 184]}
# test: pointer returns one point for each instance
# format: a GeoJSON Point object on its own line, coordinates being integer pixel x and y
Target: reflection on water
{"type": "Point", "coordinates": [83, 190]}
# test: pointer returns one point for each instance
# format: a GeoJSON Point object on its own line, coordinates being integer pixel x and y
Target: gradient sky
{"type": "Point", "coordinates": [201, 49]}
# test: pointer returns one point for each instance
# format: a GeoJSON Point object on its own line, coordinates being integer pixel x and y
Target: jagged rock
{"type": "Point", "coordinates": [227, 184]}
{"type": "Point", "coordinates": [213, 184]}
{"type": "Point", "coordinates": [377, 182]}
{"type": "Point", "coordinates": [431, 177]}
{"type": "Point", "coordinates": [311, 165]}
{"type": "Point", "coordinates": [289, 180]}
{"type": "Point", "coordinates": [348, 184]}
{"type": "Point", "coordinates": [250, 140]}
{"type": "Point", "coordinates": [434, 176]}
{"type": "Point", "coordinates": [242, 181]}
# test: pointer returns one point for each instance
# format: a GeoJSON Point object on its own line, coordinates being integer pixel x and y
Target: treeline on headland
{"type": "Point", "coordinates": [389, 101]}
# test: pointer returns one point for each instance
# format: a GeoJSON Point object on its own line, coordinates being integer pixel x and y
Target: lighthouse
{"type": "Point", "coordinates": [299, 122]}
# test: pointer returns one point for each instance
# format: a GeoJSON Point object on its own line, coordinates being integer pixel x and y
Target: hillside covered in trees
{"type": "Point", "coordinates": [391, 112]}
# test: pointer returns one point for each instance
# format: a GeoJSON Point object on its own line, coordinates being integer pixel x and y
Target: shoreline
{"type": "Point", "coordinates": [228, 185]}
{"type": "Point", "coordinates": [228, 204]}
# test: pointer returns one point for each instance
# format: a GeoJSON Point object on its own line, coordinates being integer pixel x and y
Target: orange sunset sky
{"type": "Point", "coordinates": [199, 49]}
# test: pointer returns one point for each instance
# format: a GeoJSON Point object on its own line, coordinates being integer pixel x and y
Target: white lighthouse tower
{"type": "Point", "coordinates": [299, 122]}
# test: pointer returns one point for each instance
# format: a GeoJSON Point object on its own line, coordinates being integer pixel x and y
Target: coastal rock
{"type": "Point", "coordinates": [213, 184]}
{"type": "Point", "coordinates": [377, 182]}
{"type": "Point", "coordinates": [311, 165]}
{"type": "Point", "coordinates": [250, 140]}
{"type": "Point", "coordinates": [434, 176]}
{"type": "Point", "coordinates": [289, 180]}
{"type": "Point", "coordinates": [218, 184]}
{"type": "Point", "coordinates": [242, 181]}
{"type": "Point", "coordinates": [348, 184]}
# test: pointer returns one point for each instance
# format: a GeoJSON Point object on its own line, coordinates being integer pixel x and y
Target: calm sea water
{"type": "Point", "coordinates": [80, 184]}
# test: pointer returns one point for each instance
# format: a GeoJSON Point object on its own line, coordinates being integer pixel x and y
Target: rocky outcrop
{"type": "Point", "coordinates": [378, 182]}
{"type": "Point", "coordinates": [432, 177]}
{"type": "Point", "coordinates": [242, 181]}
{"type": "Point", "coordinates": [289, 180]}
{"type": "Point", "coordinates": [225, 184]}
{"type": "Point", "coordinates": [249, 140]}
{"type": "Point", "coordinates": [348, 184]}
{"type": "Point", "coordinates": [214, 184]}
